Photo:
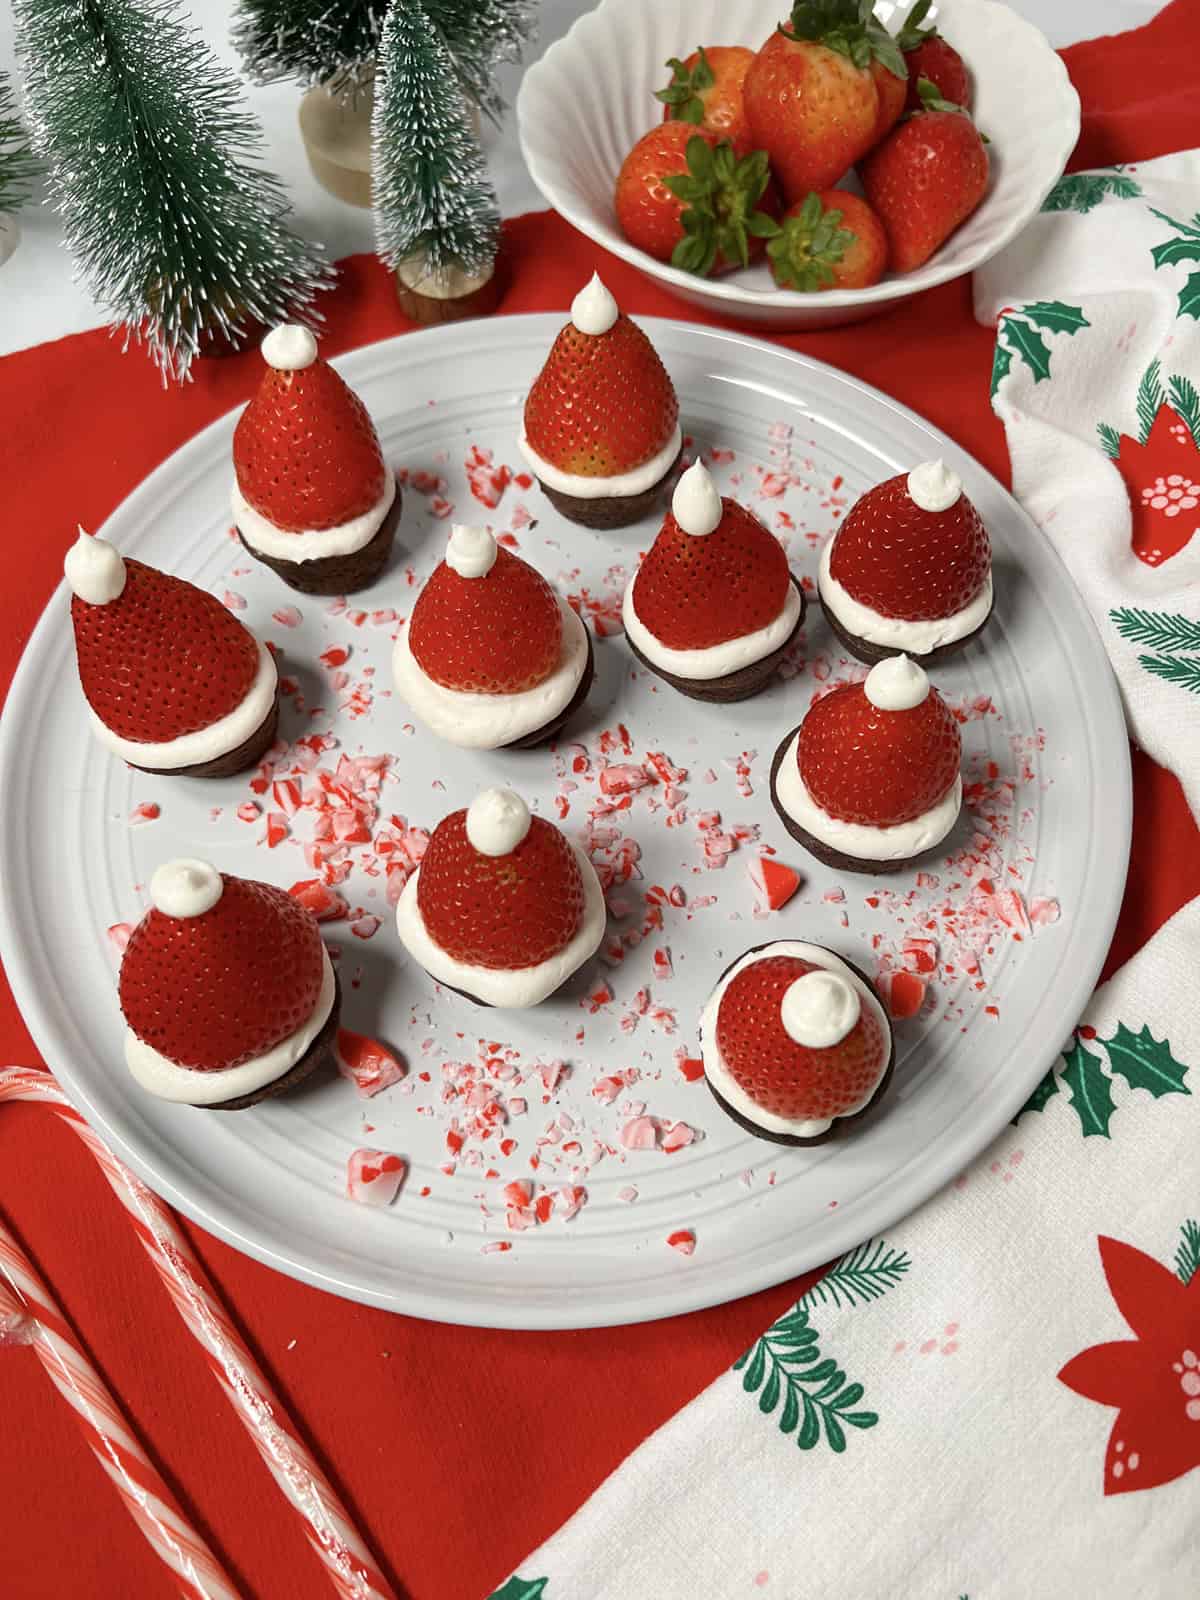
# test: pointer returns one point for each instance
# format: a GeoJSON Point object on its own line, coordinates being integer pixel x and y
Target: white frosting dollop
{"type": "Point", "coordinates": [516, 987]}
{"type": "Point", "coordinates": [819, 1009]}
{"type": "Point", "coordinates": [94, 570]}
{"type": "Point", "coordinates": [696, 504]}
{"type": "Point", "coordinates": [862, 839]}
{"type": "Point", "coordinates": [716, 1069]}
{"type": "Point", "coordinates": [934, 486]}
{"type": "Point", "coordinates": [289, 348]}
{"type": "Point", "coordinates": [897, 633]}
{"type": "Point", "coordinates": [715, 660]}
{"type": "Point", "coordinates": [159, 1075]}
{"type": "Point", "coordinates": [636, 481]}
{"type": "Point", "coordinates": [471, 551]}
{"type": "Point", "coordinates": [311, 544]}
{"type": "Point", "coordinates": [593, 309]}
{"type": "Point", "coordinates": [497, 821]}
{"type": "Point", "coordinates": [185, 887]}
{"type": "Point", "coordinates": [896, 684]}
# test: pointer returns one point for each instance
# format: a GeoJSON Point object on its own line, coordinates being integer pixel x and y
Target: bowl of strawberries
{"type": "Point", "coordinates": [805, 165]}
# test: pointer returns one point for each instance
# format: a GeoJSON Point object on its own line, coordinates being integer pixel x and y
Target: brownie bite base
{"type": "Point", "coordinates": [731, 686]}
{"type": "Point", "coordinates": [840, 1125]}
{"type": "Point", "coordinates": [319, 1053]}
{"type": "Point", "coordinates": [610, 511]}
{"type": "Point", "coordinates": [333, 575]}
{"type": "Point", "coordinates": [550, 729]}
{"type": "Point", "coordinates": [248, 754]}
{"type": "Point", "coordinates": [865, 650]}
{"type": "Point", "coordinates": [817, 847]}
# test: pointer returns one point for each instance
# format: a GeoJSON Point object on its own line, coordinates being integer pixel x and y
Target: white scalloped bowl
{"type": "Point", "coordinates": [584, 105]}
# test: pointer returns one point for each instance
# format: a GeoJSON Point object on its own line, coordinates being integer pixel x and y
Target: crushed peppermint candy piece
{"type": "Point", "coordinates": [683, 1240]}
{"type": "Point", "coordinates": [145, 811]}
{"type": "Point", "coordinates": [373, 1177]}
{"type": "Point", "coordinates": [370, 1066]}
{"type": "Point", "coordinates": [774, 882]}
{"type": "Point", "coordinates": [639, 1133]}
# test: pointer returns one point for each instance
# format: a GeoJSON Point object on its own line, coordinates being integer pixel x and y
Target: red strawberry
{"type": "Point", "coordinates": [497, 634]}
{"type": "Point", "coordinates": [928, 55]}
{"type": "Point", "coordinates": [783, 1077]}
{"type": "Point", "coordinates": [903, 561]}
{"type": "Point", "coordinates": [695, 592]}
{"type": "Point", "coordinates": [926, 178]}
{"type": "Point", "coordinates": [812, 100]}
{"type": "Point", "coordinates": [831, 240]}
{"type": "Point", "coordinates": [505, 912]}
{"type": "Point", "coordinates": [706, 91]}
{"type": "Point", "coordinates": [893, 96]}
{"type": "Point", "coordinates": [162, 659]}
{"type": "Point", "coordinates": [861, 764]}
{"type": "Point", "coordinates": [602, 404]}
{"type": "Point", "coordinates": [305, 450]}
{"type": "Point", "coordinates": [214, 990]}
{"type": "Point", "coordinates": [686, 196]}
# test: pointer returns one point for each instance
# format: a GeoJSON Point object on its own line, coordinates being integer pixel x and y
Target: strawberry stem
{"type": "Point", "coordinates": [912, 33]}
{"type": "Point", "coordinates": [684, 94]}
{"type": "Point", "coordinates": [805, 247]}
{"type": "Point", "coordinates": [721, 194]}
{"type": "Point", "coordinates": [849, 27]}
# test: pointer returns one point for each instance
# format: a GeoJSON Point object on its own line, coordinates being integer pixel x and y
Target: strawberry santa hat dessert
{"type": "Point", "coordinates": [312, 496]}
{"type": "Point", "coordinates": [174, 682]}
{"type": "Point", "coordinates": [910, 568]}
{"type": "Point", "coordinates": [713, 606]}
{"type": "Point", "coordinates": [227, 990]}
{"type": "Point", "coordinates": [491, 656]}
{"type": "Point", "coordinates": [870, 779]}
{"type": "Point", "coordinates": [503, 908]}
{"type": "Point", "coordinates": [795, 1043]}
{"type": "Point", "coordinates": [601, 420]}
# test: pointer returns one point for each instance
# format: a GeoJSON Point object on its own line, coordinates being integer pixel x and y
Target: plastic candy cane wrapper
{"type": "Point", "coordinates": [29, 1315]}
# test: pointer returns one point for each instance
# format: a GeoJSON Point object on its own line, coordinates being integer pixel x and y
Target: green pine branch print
{"type": "Point", "coordinates": [1187, 1255]}
{"type": "Point", "coordinates": [1186, 404]}
{"type": "Point", "coordinates": [1110, 440]}
{"type": "Point", "coordinates": [863, 1274]}
{"type": "Point", "coordinates": [1175, 252]}
{"type": "Point", "coordinates": [1183, 670]}
{"type": "Point", "coordinates": [1159, 630]}
{"type": "Point", "coordinates": [1142, 1060]}
{"type": "Point", "coordinates": [1084, 191]}
{"type": "Point", "coordinates": [1150, 397]}
{"type": "Point", "coordinates": [786, 1363]}
{"type": "Point", "coordinates": [1019, 335]}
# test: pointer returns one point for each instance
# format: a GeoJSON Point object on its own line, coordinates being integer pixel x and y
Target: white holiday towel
{"type": "Point", "coordinates": [999, 1399]}
{"type": "Point", "coordinates": [1097, 305]}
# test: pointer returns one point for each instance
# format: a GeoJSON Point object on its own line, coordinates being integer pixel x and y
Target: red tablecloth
{"type": "Point", "coordinates": [458, 1449]}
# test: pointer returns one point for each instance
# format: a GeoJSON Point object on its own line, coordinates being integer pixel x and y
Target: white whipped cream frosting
{"type": "Point", "coordinates": [915, 638]}
{"type": "Point", "coordinates": [517, 987]}
{"type": "Point", "coordinates": [593, 309]}
{"type": "Point", "coordinates": [186, 1086]}
{"type": "Point", "coordinates": [94, 570]}
{"type": "Point", "coordinates": [819, 1009]}
{"type": "Point", "coordinates": [636, 481]}
{"type": "Point", "coordinates": [185, 887]}
{"type": "Point", "coordinates": [289, 348]}
{"type": "Point", "coordinates": [497, 821]}
{"type": "Point", "coordinates": [716, 1069]}
{"type": "Point", "coordinates": [311, 544]}
{"type": "Point", "coordinates": [471, 552]}
{"type": "Point", "coordinates": [487, 721]}
{"type": "Point", "coordinates": [696, 505]}
{"type": "Point", "coordinates": [861, 839]}
{"type": "Point", "coordinates": [934, 486]}
{"type": "Point", "coordinates": [205, 744]}
{"type": "Point", "coordinates": [717, 659]}
{"type": "Point", "coordinates": [896, 684]}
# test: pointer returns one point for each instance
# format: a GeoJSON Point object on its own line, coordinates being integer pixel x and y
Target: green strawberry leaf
{"type": "Point", "coordinates": [886, 49]}
{"type": "Point", "coordinates": [1055, 317]}
{"type": "Point", "coordinates": [1030, 346]}
{"type": "Point", "coordinates": [1144, 1063]}
{"type": "Point", "coordinates": [804, 250]}
{"type": "Point", "coordinates": [683, 94]}
{"type": "Point", "coordinates": [931, 98]}
{"type": "Point", "coordinates": [912, 33]}
{"type": "Point", "coordinates": [850, 28]}
{"type": "Point", "coordinates": [1091, 1092]}
{"type": "Point", "coordinates": [720, 193]}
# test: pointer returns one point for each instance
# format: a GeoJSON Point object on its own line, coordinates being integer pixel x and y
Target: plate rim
{"type": "Point", "coordinates": [673, 1296]}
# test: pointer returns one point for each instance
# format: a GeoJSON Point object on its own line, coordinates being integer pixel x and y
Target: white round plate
{"type": "Point", "coordinates": [585, 104]}
{"type": "Point", "coordinates": [1050, 822]}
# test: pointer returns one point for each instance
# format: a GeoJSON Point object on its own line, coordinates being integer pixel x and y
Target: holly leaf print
{"type": "Point", "coordinates": [1091, 1092]}
{"type": "Point", "coordinates": [1037, 1101]}
{"type": "Point", "coordinates": [1001, 363]}
{"type": "Point", "coordinates": [1173, 252]}
{"type": "Point", "coordinates": [1084, 191]}
{"type": "Point", "coordinates": [1144, 1063]}
{"type": "Point", "coordinates": [1056, 317]}
{"type": "Point", "coordinates": [1189, 297]}
{"type": "Point", "coordinates": [1030, 346]}
{"type": "Point", "coordinates": [1187, 1253]}
{"type": "Point", "coordinates": [1160, 630]}
{"type": "Point", "coordinates": [520, 1589]}
{"type": "Point", "coordinates": [1183, 670]}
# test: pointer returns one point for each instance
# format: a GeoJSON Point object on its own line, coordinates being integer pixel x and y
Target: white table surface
{"type": "Point", "coordinates": [39, 299]}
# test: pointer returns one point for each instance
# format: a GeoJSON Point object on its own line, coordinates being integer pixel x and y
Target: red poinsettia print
{"type": "Point", "coordinates": [1163, 479]}
{"type": "Point", "coordinates": [1153, 1379]}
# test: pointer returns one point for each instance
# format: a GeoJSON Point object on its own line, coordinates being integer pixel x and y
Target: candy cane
{"type": "Point", "coordinates": [30, 1315]}
{"type": "Point", "coordinates": [348, 1563]}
